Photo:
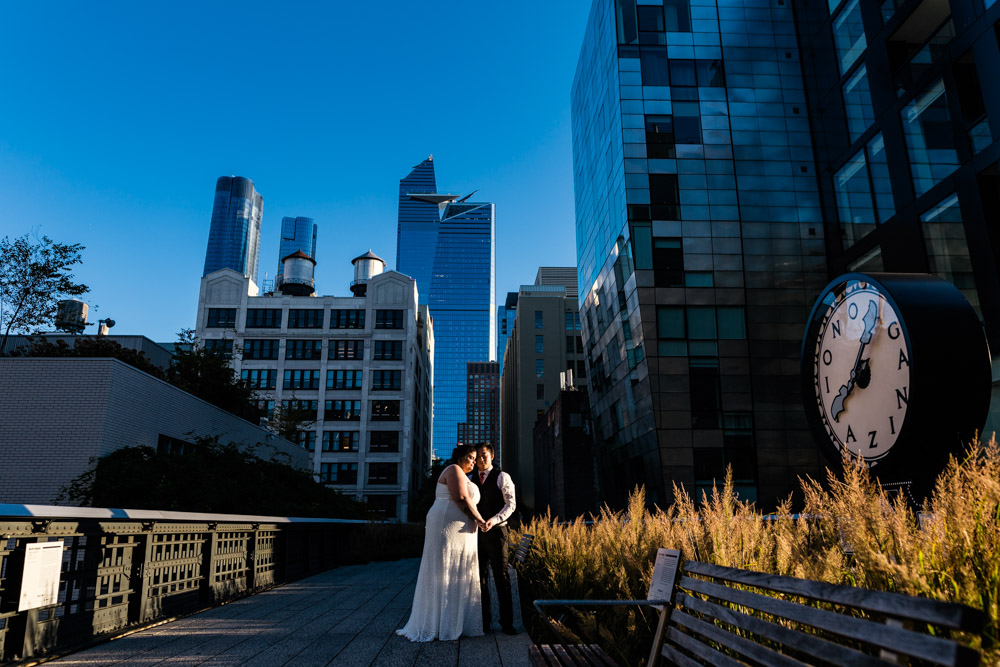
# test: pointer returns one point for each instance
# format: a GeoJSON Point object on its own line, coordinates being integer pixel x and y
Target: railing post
{"type": "Point", "coordinates": [139, 606]}
{"type": "Point", "coordinates": [209, 559]}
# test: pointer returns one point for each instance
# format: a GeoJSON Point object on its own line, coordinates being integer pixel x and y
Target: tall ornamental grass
{"type": "Point", "coordinates": [850, 531]}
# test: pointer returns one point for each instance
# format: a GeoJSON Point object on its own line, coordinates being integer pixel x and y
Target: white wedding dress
{"type": "Point", "coordinates": [447, 602]}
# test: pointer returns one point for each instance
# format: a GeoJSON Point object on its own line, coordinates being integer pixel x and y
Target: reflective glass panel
{"type": "Point", "coordinates": [881, 185]}
{"type": "Point", "coordinates": [858, 103]}
{"type": "Point", "coordinates": [849, 35]}
{"type": "Point", "coordinates": [929, 137]}
{"type": "Point", "coordinates": [947, 248]}
{"type": "Point", "coordinates": [854, 200]}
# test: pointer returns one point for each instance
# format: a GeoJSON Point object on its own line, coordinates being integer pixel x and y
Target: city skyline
{"type": "Point", "coordinates": [132, 168]}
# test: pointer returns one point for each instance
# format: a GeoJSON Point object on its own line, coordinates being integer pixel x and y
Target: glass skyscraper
{"type": "Point", "coordinates": [730, 156]}
{"type": "Point", "coordinates": [296, 234]}
{"type": "Point", "coordinates": [448, 245]}
{"type": "Point", "coordinates": [234, 236]}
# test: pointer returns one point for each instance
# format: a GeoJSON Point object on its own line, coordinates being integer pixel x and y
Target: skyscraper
{"type": "Point", "coordinates": [448, 245]}
{"type": "Point", "coordinates": [505, 324]}
{"type": "Point", "coordinates": [296, 234]}
{"type": "Point", "coordinates": [234, 235]}
{"type": "Point", "coordinates": [482, 407]}
{"type": "Point", "coordinates": [722, 176]}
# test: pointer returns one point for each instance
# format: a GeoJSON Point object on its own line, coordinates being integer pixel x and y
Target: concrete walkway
{"type": "Point", "coordinates": [347, 616]}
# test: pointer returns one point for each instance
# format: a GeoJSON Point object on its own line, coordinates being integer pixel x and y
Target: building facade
{"type": "Point", "coordinates": [234, 235]}
{"type": "Point", "coordinates": [505, 324]}
{"type": "Point", "coordinates": [565, 481]}
{"type": "Point", "coordinates": [543, 347]}
{"type": "Point", "coordinates": [296, 234]}
{"type": "Point", "coordinates": [358, 369]}
{"type": "Point", "coordinates": [70, 410]}
{"type": "Point", "coordinates": [482, 413]}
{"type": "Point", "coordinates": [732, 157]}
{"type": "Point", "coordinates": [448, 245]}
{"type": "Point", "coordinates": [700, 244]}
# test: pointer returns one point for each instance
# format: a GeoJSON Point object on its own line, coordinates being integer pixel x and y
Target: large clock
{"type": "Point", "coordinates": [895, 372]}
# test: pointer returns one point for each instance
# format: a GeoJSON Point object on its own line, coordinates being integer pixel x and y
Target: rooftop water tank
{"type": "Point", "coordinates": [71, 315]}
{"type": "Point", "coordinates": [297, 274]}
{"type": "Point", "coordinates": [366, 267]}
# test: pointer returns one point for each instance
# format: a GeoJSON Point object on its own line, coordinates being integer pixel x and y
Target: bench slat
{"type": "Point", "coordinates": [745, 647]}
{"type": "Point", "coordinates": [795, 639]}
{"type": "Point", "coordinates": [914, 644]}
{"type": "Point", "coordinates": [542, 656]}
{"type": "Point", "coordinates": [601, 658]}
{"type": "Point", "coordinates": [565, 658]}
{"type": "Point", "coordinates": [700, 649]}
{"type": "Point", "coordinates": [677, 658]}
{"type": "Point", "coordinates": [946, 614]}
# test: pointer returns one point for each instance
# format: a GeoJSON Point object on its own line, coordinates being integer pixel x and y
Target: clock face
{"type": "Point", "coordinates": [861, 370]}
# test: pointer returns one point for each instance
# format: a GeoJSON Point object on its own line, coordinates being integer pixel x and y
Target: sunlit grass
{"type": "Point", "coordinates": [850, 531]}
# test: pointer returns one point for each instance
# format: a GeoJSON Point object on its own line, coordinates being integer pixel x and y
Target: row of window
{"type": "Point", "coordinates": [337, 410]}
{"type": "Point", "coordinates": [379, 442]}
{"type": "Point", "coordinates": [310, 318]}
{"type": "Point", "coordinates": [268, 348]}
{"type": "Point", "coordinates": [347, 473]}
{"type": "Point", "coordinates": [266, 378]}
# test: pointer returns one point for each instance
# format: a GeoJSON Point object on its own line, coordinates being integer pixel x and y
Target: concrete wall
{"type": "Point", "coordinates": [57, 413]}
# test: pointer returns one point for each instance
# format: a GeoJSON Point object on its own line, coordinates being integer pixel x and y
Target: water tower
{"type": "Point", "coordinates": [297, 274]}
{"type": "Point", "coordinates": [366, 267]}
{"type": "Point", "coordinates": [71, 316]}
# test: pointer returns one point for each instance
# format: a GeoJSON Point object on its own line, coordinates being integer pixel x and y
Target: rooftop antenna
{"type": "Point", "coordinates": [467, 196]}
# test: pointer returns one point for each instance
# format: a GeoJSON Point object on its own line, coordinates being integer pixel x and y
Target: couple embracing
{"type": "Point", "coordinates": [466, 536]}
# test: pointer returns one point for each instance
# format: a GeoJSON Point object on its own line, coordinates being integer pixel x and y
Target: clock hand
{"type": "Point", "coordinates": [870, 318]}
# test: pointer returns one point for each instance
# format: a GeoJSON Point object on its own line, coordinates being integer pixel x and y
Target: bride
{"type": "Point", "coordinates": [447, 602]}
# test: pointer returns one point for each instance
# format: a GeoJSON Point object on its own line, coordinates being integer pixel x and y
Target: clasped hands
{"type": "Point", "coordinates": [485, 525]}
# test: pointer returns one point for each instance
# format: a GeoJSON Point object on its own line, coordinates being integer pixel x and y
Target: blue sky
{"type": "Point", "coordinates": [116, 119]}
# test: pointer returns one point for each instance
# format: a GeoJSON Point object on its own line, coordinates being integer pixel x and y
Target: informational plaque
{"type": "Point", "coordinates": [40, 581]}
{"type": "Point", "coordinates": [664, 574]}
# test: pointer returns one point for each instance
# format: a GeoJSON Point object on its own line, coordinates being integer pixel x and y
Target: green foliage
{"type": "Point", "coordinates": [424, 498]}
{"type": "Point", "coordinates": [211, 478]}
{"type": "Point", "coordinates": [208, 375]}
{"type": "Point", "coordinates": [950, 553]}
{"type": "Point", "coordinates": [85, 346]}
{"type": "Point", "coordinates": [34, 276]}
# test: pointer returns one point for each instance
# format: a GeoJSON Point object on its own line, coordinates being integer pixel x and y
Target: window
{"type": "Point", "coordinates": [347, 318]}
{"type": "Point", "coordinates": [342, 410]}
{"type": "Point", "coordinates": [849, 35]}
{"type": "Point", "coordinates": [304, 410]}
{"type": "Point", "coordinates": [311, 318]}
{"type": "Point", "coordinates": [660, 137]}
{"type": "Point", "coordinates": [677, 15]}
{"type": "Point", "coordinates": [221, 346]}
{"type": "Point", "coordinates": [664, 196]}
{"type": "Point", "coordinates": [653, 66]}
{"type": "Point", "coordinates": [929, 137]}
{"type": "Point", "coordinates": [679, 329]}
{"type": "Point", "coordinates": [687, 122]}
{"type": "Point", "coordinates": [706, 393]}
{"type": "Point", "coordinates": [539, 368]}
{"type": "Point", "coordinates": [306, 440]}
{"type": "Point", "coordinates": [385, 411]}
{"type": "Point", "coordinates": [947, 248]}
{"type": "Point", "coordinates": [338, 379]}
{"type": "Point", "coordinates": [858, 103]}
{"type": "Point", "coordinates": [383, 441]}
{"type": "Point", "coordinates": [340, 441]}
{"type": "Point", "coordinates": [303, 349]}
{"type": "Point", "coordinates": [387, 380]}
{"type": "Point", "coordinates": [300, 379]}
{"type": "Point", "coordinates": [711, 73]}
{"type": "Point", "coordinates": [540, 344]}
{"type": "Point", "coordinates": [346, 349]}
{"type": "Point", "coordinates": [221, 318]}
{"type": "Point", "coordinates": [682, 72]}
{"type": "Point", "coordinates": [572, 321]}
{"type": "Point", "coordinates": [581, 369]}
{"type": "Point", "coordinates": [881, 185]}
{"type": "Point", "coordinates": [265, 408]}
{"type": "Point", "coordinates": [263, 318]}
{"type": "Point", "coordinates": [854, 200]}
{"type": "Point", "coordinates": [388, 319]}
{"type": "Point", "coordinates": [383, 473]}
{"type": "Point", "coordinates": [260, 348]}
{"type": "Point", "coordinates": [668, 262]}
{"type": "Point", "coordinates": [388, 350]}
{"type": "Point", "coordinates": [539, 319]}
{"type": "Point", "coordinates": [540, 392]}
{"type": "Point", "coordinates": [970, 99]}
{"type": "Point", "coordinates": [259, 378]}
{"type": "Point", "coordinates": [338, 473]}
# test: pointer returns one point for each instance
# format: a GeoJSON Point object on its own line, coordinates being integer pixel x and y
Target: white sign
{"type": "Point", "coordinates": [664, 574]}
{"type": "Point", "coordinates": [40, 581]}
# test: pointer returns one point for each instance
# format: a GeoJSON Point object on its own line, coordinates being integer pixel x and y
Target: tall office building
{"type": "Point", "coordinates": [296, 234]}
{"type": "Point", "coordinates": [447, 243]}
{"type": "Point", "coordinates": [234, 235]}
{"type": "Point", "coordinates": [482, 406]}
{"type": "Point", "coordinates": [705, 219]}
{"type": "Point", "coordinates": [505, 324]}
{"type": "Point", "coordinates": [543, 346]}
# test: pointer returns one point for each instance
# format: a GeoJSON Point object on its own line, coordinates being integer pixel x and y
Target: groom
{"type": "Point", "coordinates": [496, 504]}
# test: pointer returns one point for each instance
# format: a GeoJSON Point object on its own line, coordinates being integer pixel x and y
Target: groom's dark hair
{"type": "Point", "coordinates": [488, 445]}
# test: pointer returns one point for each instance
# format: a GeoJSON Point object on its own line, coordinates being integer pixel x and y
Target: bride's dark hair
{"type": "Point", "coordinates": [461, 452]}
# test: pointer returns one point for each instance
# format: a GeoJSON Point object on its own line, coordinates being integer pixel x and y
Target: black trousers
{"type": "Point", "coordinates": [493, 554]}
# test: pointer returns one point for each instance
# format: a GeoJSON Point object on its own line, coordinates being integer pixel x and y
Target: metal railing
{"type": "Point", "coordinates": [124, 568]}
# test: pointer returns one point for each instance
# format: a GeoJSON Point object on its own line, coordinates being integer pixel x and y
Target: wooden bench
{"type": "Point", "coordinates": [712, 615]}
{"type": "Point", "coordinates": [521, 553]}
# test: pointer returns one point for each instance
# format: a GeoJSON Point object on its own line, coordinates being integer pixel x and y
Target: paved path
{"type": "Point", "coordinates": [347, 616]}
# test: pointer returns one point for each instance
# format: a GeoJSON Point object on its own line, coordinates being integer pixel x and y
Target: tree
{"type": "Point", "coordinates": [34, 276]}
{"type": "Point", "coordinates": [210, 477]}
{"type": "Point", "coordinates": [85, 346]}
{"type": "Point", "coordinates": [208, 375]}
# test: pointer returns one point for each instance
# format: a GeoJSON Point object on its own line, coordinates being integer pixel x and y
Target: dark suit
{"type": "Point", "coordinates": [493, 549]}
